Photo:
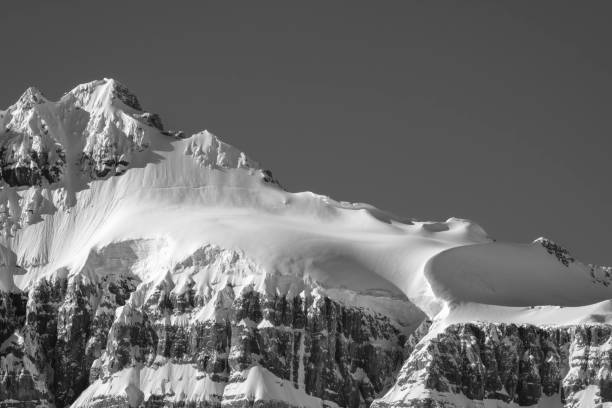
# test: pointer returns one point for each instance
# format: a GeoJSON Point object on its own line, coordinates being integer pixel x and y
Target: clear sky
{"type": "Point", "coordinates": [495, 111]}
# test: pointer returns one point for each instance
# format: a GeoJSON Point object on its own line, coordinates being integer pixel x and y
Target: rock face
{"type": "Point", "coordinates": [75, 332]}
{"type": "Point", "coordinates": [557, 250]}
{"type": "Point", "coordinates": [525, 365]}
{"type": "Point", "coordinates": [12, 312]}
{"type": "Point", "coordinates": [78, 342]}
{"type": "Point", "coordinates": [46, 358]}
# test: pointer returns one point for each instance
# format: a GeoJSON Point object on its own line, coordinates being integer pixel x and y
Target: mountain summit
{"type": "Point", "coordinates": [141, 267]}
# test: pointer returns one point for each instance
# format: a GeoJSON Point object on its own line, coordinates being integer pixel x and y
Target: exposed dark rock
{"type": "Point", "coordinates": [31, 170]}
{"type": "Point", "coordinates": [63, 324]}
{"type": "Point", "coordinates": [335, 352]}
{"type": "Point", "coordinates": [177, 134]}
{"type": "Point", "coordinates": [124, 95]}
{"type": "Point", "coordinates": [557, 250]}
{"type": "Point", "coordinates": [151, 119]}
{"type": "Point", "coordinates": [520, 364]}
{"type": "Point", "coordinates": [106, 162]}
{"type": "Point", "coordinates": [12, 313]}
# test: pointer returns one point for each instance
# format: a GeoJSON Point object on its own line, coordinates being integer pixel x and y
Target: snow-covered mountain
{"type": "Point", "coordinates": [142, 267]}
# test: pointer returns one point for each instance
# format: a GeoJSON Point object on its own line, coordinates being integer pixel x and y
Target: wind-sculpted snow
{"type": "Point", "coordinates": [513, 275]}
{"type": "Point", "coordinates": [140, 267]}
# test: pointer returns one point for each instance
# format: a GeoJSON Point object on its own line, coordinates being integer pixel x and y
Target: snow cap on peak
{"type": "Point", "coordinates": [103, 92]}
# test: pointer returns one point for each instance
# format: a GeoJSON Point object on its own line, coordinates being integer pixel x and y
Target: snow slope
{"type": "Point", "coordinates": [511, 275]}
{"type": "Point", "coordinates": [183, 193]}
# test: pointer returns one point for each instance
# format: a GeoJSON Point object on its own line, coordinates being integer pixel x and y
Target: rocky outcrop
{"type": "Point", "coordinates": [12, 313]}
{"type": "Point", "coordinates": [328, 350]}
{"type": "Point", "coordinates": [32, 168]}
{"type": "Point", "coordinates": [525, 365]}
{"type": "Point", "coordinates": [47, 357]}
{"type": "Point", "coordinates": [107, 340]}
{"type": "Point", "coordinates": [122, 93]}
{"type": "Point", "coordinates": [77, 341]}
{"type": "Point", "coordinates": [601, 274]}
{"type": "Point", "coordinates": [562, 254]}
{"type": "Point", "coordinates": [79, 338]}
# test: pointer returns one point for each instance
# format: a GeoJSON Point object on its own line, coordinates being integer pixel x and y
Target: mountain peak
{"type": "Point", "coordinates": [98, 130]}
{"type": "Point", "coordinates": [103, 93]}
{"type": "Point", "coordinates": [30, 97]}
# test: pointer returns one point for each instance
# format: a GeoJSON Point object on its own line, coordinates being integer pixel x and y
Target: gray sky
{"type": "Point", "coordinates": [500, 113]}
